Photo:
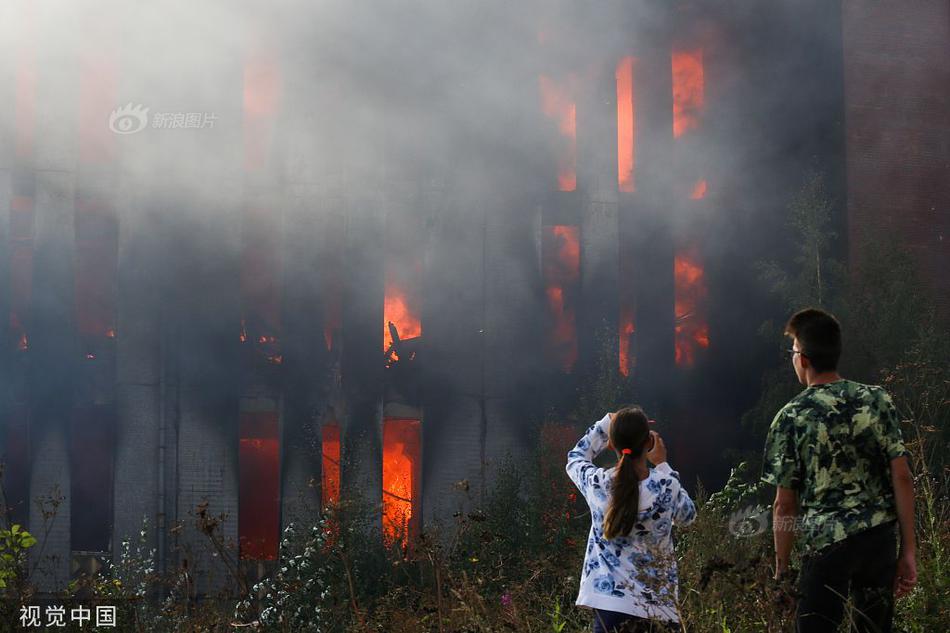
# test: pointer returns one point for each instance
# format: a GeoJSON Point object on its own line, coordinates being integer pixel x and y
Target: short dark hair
{"type": "Point", "coordinates": [819, 335]}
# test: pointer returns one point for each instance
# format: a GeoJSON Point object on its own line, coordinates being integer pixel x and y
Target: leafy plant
{"type": "Point", "coordinates": [14, 543]}
{"type": "Point", "coordinates": [557, 620]}
{"type": "Point", "coordinates": [296, 596]}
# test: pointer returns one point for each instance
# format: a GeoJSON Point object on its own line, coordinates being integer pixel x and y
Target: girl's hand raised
{"type": "Point", "coordinates": [657, 454]}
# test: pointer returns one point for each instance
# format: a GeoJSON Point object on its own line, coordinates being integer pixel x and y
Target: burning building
{"type": "Point", "coordinates": [359, 272]}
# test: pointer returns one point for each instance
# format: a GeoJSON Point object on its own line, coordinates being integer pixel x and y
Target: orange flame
{"type": "Point", "coordinates": [562, 256]}
{"type": "Point", "coordinates": [98, 90]}
{"type": "Point", "coordinates": [688, 90]}
{"type": "Point", "coordinates": [555, 438]}
{"type": "Point", "coordinates": [259, 485]}
{"type": "Point", "coordinates": [401, 472]}
{"type": "Point", "coordinates": [96, 246]}
{"type": "Point", "coordinates": [262, 94]}
{"type": "Point", "coordinates": [396, 308]}
{"type": "Point", "coordinates": [628, 307]}
{"type": "Point", "coordinates": [699, 191]}
{"type": "Point", "coordinates": [692, 332]}
{"type": "Point", "coordinates": [331, 464]}
{"type": "Point", "coordinates": [626, 330]}
{"type": "Point", "coordinates": [626, 126]}
{"type": "Point", "coordinates": [557, 103]}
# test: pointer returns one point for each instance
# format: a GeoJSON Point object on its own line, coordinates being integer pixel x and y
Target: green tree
{"type": "Point", "coordinates": [813, 276]}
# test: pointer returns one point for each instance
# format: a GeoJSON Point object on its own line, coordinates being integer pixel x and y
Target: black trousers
{"type": "Point", "coordinates": [862, 566]}
{"type": "Point", "coordinates": [616, 622]}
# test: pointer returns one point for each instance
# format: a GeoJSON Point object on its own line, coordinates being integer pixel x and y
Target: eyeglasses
{"type": "Point", "coordinates": [792, 351]}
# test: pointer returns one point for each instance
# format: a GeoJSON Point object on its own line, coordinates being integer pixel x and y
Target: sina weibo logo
{"type": "Point", "coordinates": [749, 521]}
{"type": "Point", "coordinates": [128, 119]}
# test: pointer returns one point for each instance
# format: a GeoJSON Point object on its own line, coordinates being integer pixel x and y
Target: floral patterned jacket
{"type": "Point", "coordinates": [633, 574]}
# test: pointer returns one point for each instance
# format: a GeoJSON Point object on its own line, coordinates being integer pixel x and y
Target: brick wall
{"type": "Point", "coordinates": [897, 113]}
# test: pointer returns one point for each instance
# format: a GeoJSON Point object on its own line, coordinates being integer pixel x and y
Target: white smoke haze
{"type": "Point", "coordinates": [392, 104]}
{"type": "Point", "coordinates": [393, 89]}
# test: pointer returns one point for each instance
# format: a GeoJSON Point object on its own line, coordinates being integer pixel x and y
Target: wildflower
{"type": "Point", "coordinates": [506, 599]}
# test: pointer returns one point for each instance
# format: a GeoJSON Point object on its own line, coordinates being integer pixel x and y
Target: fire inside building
{"type": "Point", "coordinates": [374, 273]}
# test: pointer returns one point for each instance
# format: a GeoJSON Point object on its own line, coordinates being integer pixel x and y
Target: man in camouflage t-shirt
{"type": "Point", "coordinates": [836, 455]}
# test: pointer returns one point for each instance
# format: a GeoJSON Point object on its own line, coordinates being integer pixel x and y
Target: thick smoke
{"type": "Point", "coordinates": [427, 115]}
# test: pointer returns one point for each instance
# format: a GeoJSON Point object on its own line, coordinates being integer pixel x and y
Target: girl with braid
{"type": "Point", "coordinates": [629, 578]}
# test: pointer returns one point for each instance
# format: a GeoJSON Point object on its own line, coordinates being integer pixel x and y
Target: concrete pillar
{"type": "Point", "coordinates": [514, 308]}
{"type": "Point", "coordinates": [312, 230]}
{"type": "Point", "coordinates": [306, 360]}
{"type": "Point", "coordinates": [7, 127]}
{"type": "Point", "coordinates": [362, 361]}
{"type": "Point", "coordinates": [597, 165]}
{"type": "Point", "coordinates": [144, 408]}
{"type": "Point", "coordinates": [14, 358]}
{"type": "Point", "coordinates": [454, 335]}
{"type": "Point", "coordinates": [207, 335]}
{"type": "Point", "coordinates": [140, 419]}
{"type": "Point", "coordinates": [8, 72]}
{"type": "Point", "coordinates": [53, 359]}
{"type": "Point", "coordinates": [54, 353]}
{"type": "Point", "coordinates": [206, 238]}
{"type": "Point", "coordinates": [646, 224]}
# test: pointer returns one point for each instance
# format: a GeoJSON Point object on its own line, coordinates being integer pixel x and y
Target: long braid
{"type": "Point", "coordinates": [629, 433]}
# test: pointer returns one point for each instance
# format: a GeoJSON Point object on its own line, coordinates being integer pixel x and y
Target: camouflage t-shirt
{"type": "Point", "coordinates": [832, 444]}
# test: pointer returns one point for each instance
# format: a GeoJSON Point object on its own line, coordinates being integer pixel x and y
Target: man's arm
{"type": "Point", "coordinates": [892, 446]}
{"type": "Point", "coordinates": [903, 483]}
{"type": "Point", "coordinates": [784, 511]}
{"type": "Point", "coordinates": [782, 468]}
